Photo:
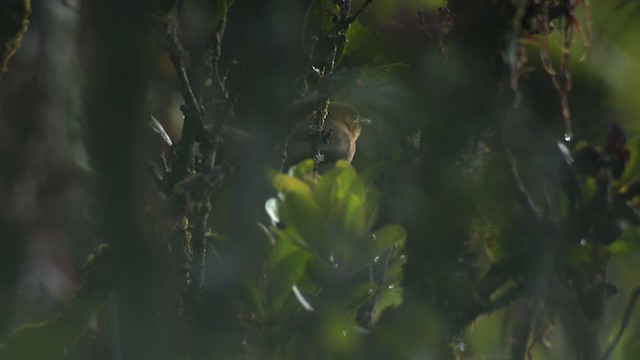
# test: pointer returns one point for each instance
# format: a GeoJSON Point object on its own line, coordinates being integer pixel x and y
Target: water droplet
{"type": "Point", "coordinates": [391, 286]}
{"type": "Point", "coordinates": [370, 290]}
{"type": "Point", "coordinates": [568, 136]}
{"type": "Point", "coordinates": [373, 236]}
{"type": "Point", "coordinates": [583, 242]}
{"type": "Point", "coordinates": [344, 333]}
{"type": "Point", "coordinates": [376, 259]}
{"type": "Point", "coordinates": [331, 259]}
{"type": "Point", "coordinates": [403, 258]}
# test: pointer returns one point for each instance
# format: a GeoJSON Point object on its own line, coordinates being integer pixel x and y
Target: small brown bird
{"type": "Point", "coordinates": [341, 130]}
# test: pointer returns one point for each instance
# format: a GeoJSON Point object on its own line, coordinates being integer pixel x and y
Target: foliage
{"type": "Point", "coordinates": [498, 215]}
{"type": "Point", "coordinates": [327, 271]}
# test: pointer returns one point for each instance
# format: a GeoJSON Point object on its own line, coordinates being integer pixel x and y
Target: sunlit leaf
{"type": "Point", "coordinates": [303, 170]}
{"type": "Point", "coordinates": [286, 184]}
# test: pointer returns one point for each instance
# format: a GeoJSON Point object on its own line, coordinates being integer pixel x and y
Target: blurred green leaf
{"type": "Point", "coordinates": [348, 219]}
{"type": "Point", "coordinates": [336, 185]}
{"type": "Point", "coordinates": [303, 170]}
{"type": "Point", "coordinates": [286, 184]}
{"type": "Point", "coordinates": [283, 276]}
{"type": "Point", "coordinates": [358, 295]}
{"type": "Point", "coordinates": [283, 247]}
{"type": "Point", "coordinates": [587, 257]}
{"type": "Point", "coordinates": [376, 245]}
{"type": "Point", "coordinates": [365, 45]}
{"type": "Point", "coordinates": [632, 169]}
{"type": "Point", "coordinates": [391, 296]}
{"type": "Point", "coordinates": [302, 213]}
{"type": "Point", "coordinates": [388, 236]}
{"type": "Point", "coordinates": [627, 243]}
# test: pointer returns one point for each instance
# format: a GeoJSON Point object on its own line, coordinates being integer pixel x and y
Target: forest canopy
{"type": "Point", "coordinates": [319, 179]}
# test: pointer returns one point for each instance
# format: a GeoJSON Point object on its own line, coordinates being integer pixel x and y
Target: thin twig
{"type": "Point", "coordinates": [175, 55]}
{"type": "Point", "coordinates": [523, 194]}
{"type": "Point", "coordinates": [355, 15]}
{"type": "Point", "coordinates": [625, 322]}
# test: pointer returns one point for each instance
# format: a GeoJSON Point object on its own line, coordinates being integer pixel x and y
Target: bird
{"type": "Point", "coordinates": [341, 130]}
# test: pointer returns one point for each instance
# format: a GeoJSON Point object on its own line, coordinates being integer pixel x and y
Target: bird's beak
{"type": "Point", "coordinates": [365, 121]}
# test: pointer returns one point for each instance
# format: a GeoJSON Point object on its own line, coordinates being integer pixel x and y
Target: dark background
{"type": "Point", "coordinates": [74, 153]}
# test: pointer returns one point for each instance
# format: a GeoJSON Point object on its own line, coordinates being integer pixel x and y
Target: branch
{"type": "Point", "coordinates": [175, 51]}
{"type": "Point", "coordinates": [355, 15]}
{"type": "Point", "coordinates": [625, 322]}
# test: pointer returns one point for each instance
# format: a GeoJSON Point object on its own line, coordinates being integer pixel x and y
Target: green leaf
{"type": "Point", "coordinates": [587, 257]}
{"type": "Point", "coordinates": [628, 242]}
{"type": "Point", "coordinates": [302, 212]}
{"type": "Point", "coordinates": [336, 185]}
{"type": "Point", "coordinates": [391, 296]}
{"type": "Point", "coordinates": [283, 247]}
{"type": "Point", "coordinates": [283, 276]}
{"type": "Point", "coordinates": [371, 207]}
{"type": "Point", "coordinates": [375, 246]}
{"type": "Point", "coordinates": [358, 295]}
{"type": "Point", "coordinates": [393, 272]}
{"type": "Point", "coordinates": [632, 170]}
{"type": "Point", "coordinates": [287, 184]}
{"type": "Point", "coordinates": [326, 192]}
{"type": "Point", "coordinates": [388, 236]}
{"type": "Point", "coordinates": [348, 219]}
{"type": "Point", "coordinates": [303, 170]}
